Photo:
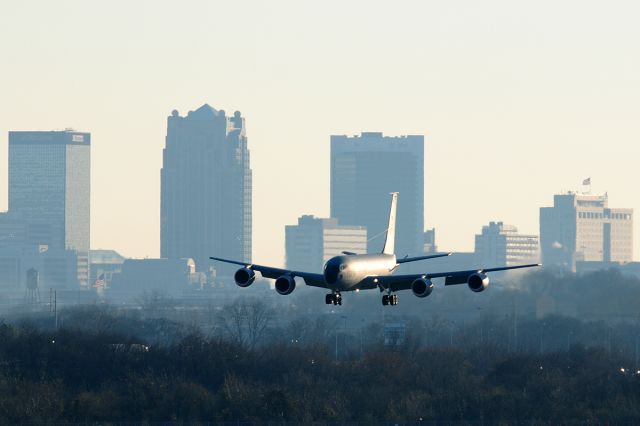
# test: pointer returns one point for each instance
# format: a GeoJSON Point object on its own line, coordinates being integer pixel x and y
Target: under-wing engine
{"type": "Point", "coordinates": [244, 277]}
{"type": "Point", "coordinates": [422, 287]}
{"type": "Point", "coordinates": [478, 282]}
{"type": "Point", "coordinates": [285, 284]}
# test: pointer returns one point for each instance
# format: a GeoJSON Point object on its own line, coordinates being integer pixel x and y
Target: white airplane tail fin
{"type": "Point", "coordinates": [390, 241]}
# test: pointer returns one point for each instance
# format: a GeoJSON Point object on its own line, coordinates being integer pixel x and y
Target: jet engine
{"type": "Point", "coordinates": [244, 277]}
{"type": "Point", "coordinates": [285, 285]}
{"type": "Point", "coordinates": [422, 287]}
{"type": "Point", "coordinates": [478, 282]}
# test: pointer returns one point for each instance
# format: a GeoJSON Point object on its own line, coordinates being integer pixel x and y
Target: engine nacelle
{"type": "Point", "coordinates": [478, 282]}
{"type": "Point", "coordinates": [422, 287]}
{"type": "Point", "coordinates": [285, 285]}
{"type": "Point", "coordinates": [244, 277]}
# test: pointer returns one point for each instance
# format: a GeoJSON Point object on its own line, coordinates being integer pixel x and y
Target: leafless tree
{"type": "Point", "coordinates": [245, 321]}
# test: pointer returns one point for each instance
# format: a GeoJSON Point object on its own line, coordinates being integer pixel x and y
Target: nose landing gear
{"type": "Point", "coordinates": [390, 299]}
{"type": "Point", "coordinates": [333, 298]}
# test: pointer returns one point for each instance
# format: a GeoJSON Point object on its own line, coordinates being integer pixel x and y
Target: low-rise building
{"type": "Point", "coordinates": [103, 264]}
{"type": "Point", "coordinates": [313, 241]}
{"type": "Point", "coordinates": [169, 276]}
{"type": "Point", "coordinates": [500, 244]}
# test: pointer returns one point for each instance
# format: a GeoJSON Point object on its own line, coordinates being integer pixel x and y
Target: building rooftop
{"type": "Point", "coordinates": [105, 256]}
{"type": "Point", "coordinates": [376, 135]}
{"type": "Point", "coordinates": [205, 112]}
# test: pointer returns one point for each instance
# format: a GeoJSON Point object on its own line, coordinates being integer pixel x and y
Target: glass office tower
{"type": "Point", "coordinates": [50, 189]}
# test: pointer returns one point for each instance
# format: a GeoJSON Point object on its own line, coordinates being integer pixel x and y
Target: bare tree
{"type": "Point", "coordinates": [245, 321]}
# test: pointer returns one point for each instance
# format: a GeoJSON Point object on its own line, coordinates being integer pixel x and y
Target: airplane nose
{"type": "Point", "coordinates": [331, 273]}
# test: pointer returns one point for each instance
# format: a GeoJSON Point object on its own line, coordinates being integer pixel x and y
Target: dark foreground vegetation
{"type": "Point", "coordinates": [75, 376]}
{"type": "Point", "coordinates": [547, 348]}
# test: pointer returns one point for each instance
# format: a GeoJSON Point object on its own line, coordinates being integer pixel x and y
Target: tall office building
{"type": "Point", "coordinates": [582, 227]}
{"type": "Point", "coordinates": [206, 188]}
{"type": "Point", "coordinates": [313, 241]}
{"type": "Point", "coordinates": [500, 244]}
{"type": "Point", "coordinates": [49, 191]}
{"type": "Point", "coordinates": [364, 170]}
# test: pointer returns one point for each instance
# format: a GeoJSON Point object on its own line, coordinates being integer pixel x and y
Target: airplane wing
{"type": "Point", "coordinates": [310, 279]}
{"type": "Point", "coordinates": [403, 282]}
{"type": "Point", "coordinates": [413, 259]}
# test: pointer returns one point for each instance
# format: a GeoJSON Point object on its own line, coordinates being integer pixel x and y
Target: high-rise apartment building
{"type": "Point", "coordinates": [206, 188]}
{"type": "Point", "coordinates": [49, 191]}
{"type": "Point", "coordinates": [582, 227]}
{"type": "Point", "coordinates": [500, 244]}
{"type": "Point", "coordinates": [313, 241]}
{"type": "Point", "coordinates": [364, 170]}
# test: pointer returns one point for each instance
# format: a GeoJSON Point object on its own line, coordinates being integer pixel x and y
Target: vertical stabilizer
{"type": "Point", "coordinates": [390, 241]}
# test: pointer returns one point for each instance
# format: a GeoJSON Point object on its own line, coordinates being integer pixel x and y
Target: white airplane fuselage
{"type": "Point", "coordinates": [346, 273]}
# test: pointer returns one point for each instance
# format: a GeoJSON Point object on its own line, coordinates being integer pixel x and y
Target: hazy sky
{"type": "Point", "coordinates": [517, 99]}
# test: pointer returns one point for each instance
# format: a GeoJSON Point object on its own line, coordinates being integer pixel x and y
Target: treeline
{"type": "Point", "coordinates": [78, 376]}
{"type": "Point", "coordinates": [606, 295]}
{"type": "Point", "coordinates": [542, 347]}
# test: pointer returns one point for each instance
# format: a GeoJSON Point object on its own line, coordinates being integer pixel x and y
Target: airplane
{"type": "Point", "coordinates": [355, 272]}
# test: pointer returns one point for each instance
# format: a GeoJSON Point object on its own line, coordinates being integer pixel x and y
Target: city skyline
{"type": "Point", "coordinates": [514, 106]}
{"type": "Point", "coordinates": [175, 114]}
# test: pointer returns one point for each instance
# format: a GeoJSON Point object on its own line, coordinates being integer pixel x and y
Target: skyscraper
{"type": "Point", "coordinates": [582, 227]}
{"type": "Point", "coordinates": [364, 170]}
{"type": "Point", "coordinates": [206, 188]}
{"type": "Point", "coordinates": [49, 190]}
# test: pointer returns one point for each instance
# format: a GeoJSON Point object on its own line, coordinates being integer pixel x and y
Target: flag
{"type": "Point", "coordinates": [587, 181]}
{"type": "Point", "coordinates": [100, 283]}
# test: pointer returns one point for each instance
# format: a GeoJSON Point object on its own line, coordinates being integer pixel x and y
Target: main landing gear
{"type": "Point", "coordinates": [390, 299]}
{"type": "Point", "coordinates": [333, 298]}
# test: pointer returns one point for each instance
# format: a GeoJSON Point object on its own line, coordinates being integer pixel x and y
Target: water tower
{"type": "Point", "coordinates": [32, 294]}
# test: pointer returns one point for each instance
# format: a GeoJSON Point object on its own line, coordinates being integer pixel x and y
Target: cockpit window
{"type": "Point", "coordinates": [331, 273]}
{"type": "Point", "coordinates": [343, 267]}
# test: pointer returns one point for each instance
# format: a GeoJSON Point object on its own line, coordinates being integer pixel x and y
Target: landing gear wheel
{"type": "Point", "coordinates": [333, 299]}
{"type": "Point", "coordinates": [390, 299]}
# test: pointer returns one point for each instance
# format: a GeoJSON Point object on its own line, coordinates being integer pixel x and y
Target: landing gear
{"type": "Point", "coordinates": [390, 299]}
{"type": "Point", "coordinates": [333, 298]}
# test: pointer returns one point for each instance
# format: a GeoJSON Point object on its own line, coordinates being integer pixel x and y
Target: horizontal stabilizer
{"type": "Point", "coordinates": [413, 259]}
{"type": "Point", "coordinates": [349, 253]}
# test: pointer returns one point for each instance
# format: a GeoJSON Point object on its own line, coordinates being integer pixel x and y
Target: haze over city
{"type": "Point", "coordinates": [517, 101]}
{"type": "Point", "coordinates": [296, 212]}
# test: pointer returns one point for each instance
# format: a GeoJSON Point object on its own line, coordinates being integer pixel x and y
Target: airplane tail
{"type": "Point", "coordinates": [390, 241]}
